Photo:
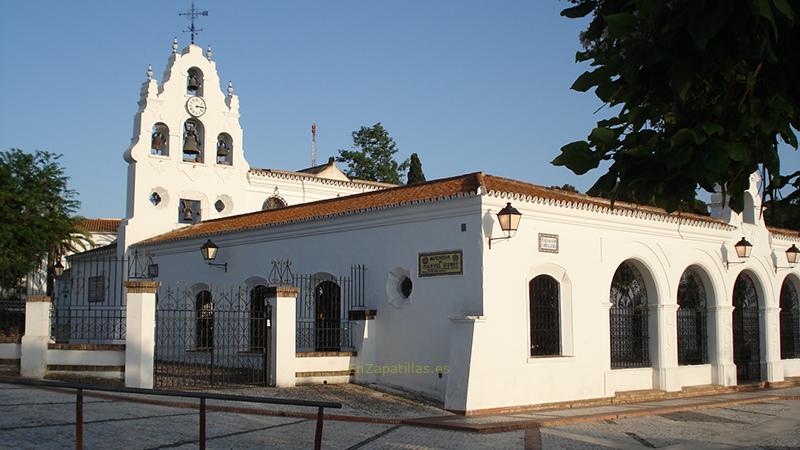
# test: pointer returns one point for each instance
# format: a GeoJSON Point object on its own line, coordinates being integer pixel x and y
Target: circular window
{"type": "Point", "coordinates": [155, 199]}
{"type": "Point", "coordinates": [219, 205]}
{"type": "Point", "coordinates": [406, 286]}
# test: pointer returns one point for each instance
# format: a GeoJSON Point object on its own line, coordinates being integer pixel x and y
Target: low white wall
{"type": "Point", "coordinates": [695, 375]}
{"type": "Point", "coordinates": [791, 367]}
{"type": "Point", "coordinates": [86, 357]}
{"type": "Point", "coordinates": [318, 365]}
{"type": "Point", "coordinates": [10, 351]}
{"type": "Point", "coordinates": [620, 380]}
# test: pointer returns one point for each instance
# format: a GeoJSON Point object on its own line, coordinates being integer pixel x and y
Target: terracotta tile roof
{"type": "Point", "coordinates": [101, 225]}
{"type": "Point", "coordinates": [792, 234]}
{"type": "Point", "coordinates": [403, 195]}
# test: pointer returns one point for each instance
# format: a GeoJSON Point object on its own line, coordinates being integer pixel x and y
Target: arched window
{"type": "Point", "coordinates": [790, 321]}
{"type": "Point", "coordinates": [327, 308]}
{"type": "Point", "coordinates": [224, 149]}
{"type": "Point", "coordinates": [273, 202]}
{"type": "Point", "coordinates": [692, 335]}
{"type": "Point", "coordinates": [194, 82]}
{"type": "Point", "coordinates": [746, 329]}
{"type": "Point", "coordinates": [260, 319]}
{"type": "Point", "coordinates": [204, 307]}
{"type": "Point", "coordinates": [628, 318]}
{"type": "Point", "coordinates": [193, 134]}
{"type": "Point", "coordinates": [544, 316]}
{"type": "Point", "coordinates": [159, 140]}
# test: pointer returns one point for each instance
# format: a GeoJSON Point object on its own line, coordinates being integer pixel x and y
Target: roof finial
{"type": "Point", "coordinates": [175, 44]}
{"type": "Point", "coordinates": [208, 53]}
{"type": "Point", "coordinates": [149, 72]}
{"type": "Point", "coordinates": [191, 14]}
{"type": "Point", "coordinates": [230, 89]}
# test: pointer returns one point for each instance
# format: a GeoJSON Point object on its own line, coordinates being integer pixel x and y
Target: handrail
{"type": "Point", "coordinates": [202, 396]}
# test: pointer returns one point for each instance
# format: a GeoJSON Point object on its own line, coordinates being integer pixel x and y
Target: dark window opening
{"type": "Point", "coordinates": [789, 321]}
{"type": "Point", "coordinates": [628, 319]}
{"type": "Point", "coordinates": [97, 289]}
{"type": "Point", "coordinates": [544, 298]}
{"type": "Point", "coordinates": [189, 211]}
{"type": "Point", "coordinates": [204, 336]}
{"type": "Point", "coordinates": [692, 334]}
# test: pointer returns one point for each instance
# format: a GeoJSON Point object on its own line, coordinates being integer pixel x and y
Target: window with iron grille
{"type": "Point", "coordinates": [204, 334]}
{"type": "Point", "coordinates": [544, 293]}
{"type": "Point", "coordinates": [628, 318]}
{"type": "Point", "coordinates": [692, 335]}
{"type": "Point", "coordinates": [97, 289]}
{"type": "Point", "coordinates": [790, 321]}
{"type": "Point", "coordinates": [188, 211]}
{"type": "Point", "coordinates": [260, 316]}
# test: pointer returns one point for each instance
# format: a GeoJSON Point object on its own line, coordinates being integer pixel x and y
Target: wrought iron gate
{"type": "Point", "coordinates": [746, 342]}
{"type": "Point", "coordinates": [209, 336]}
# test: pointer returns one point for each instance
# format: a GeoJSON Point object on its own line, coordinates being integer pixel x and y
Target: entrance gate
{"type": "Point", "coordinates": [212, 337]}
{"type": "Point", "coordinates": [746, 343]}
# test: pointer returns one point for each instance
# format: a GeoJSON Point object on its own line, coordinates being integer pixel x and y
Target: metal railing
{"type": "Point", "coordinates": [201, 396]}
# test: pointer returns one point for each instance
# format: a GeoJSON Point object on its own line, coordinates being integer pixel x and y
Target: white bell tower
{"type": "Point", "coordinates": [185, 162]}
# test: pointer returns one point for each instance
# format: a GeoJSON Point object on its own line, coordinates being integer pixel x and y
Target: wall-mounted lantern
{"type": "Point", "coordinates": [58, 268]}
{"type": "Point", "coordinates": [209, 252]}
{"type": "Point", "coordinates": [743, 249]}
{"type": "Point", "coordinates": [509, 222]}
{"type": "Point", "coordinates": [792, 255]}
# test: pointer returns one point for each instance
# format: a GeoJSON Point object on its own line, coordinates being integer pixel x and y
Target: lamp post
{"type": "Point", "coordinates": [743, 249]}
{"type": "Point", "coordinates": [209, 252]}
{"type": "Point", "coordinates": [509, 219]}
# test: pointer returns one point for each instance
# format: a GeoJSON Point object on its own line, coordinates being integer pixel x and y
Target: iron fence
{"type": "Point", "coordinates": [629, 337]}
{"type": "Point", "coordinates": [790, 334]}
{"type": "Point", "coordinates": [323, 306]}
{"type": "Point", "coordinates": [212, 336]}
{"type": "Point", "coordinates": [692, 336]}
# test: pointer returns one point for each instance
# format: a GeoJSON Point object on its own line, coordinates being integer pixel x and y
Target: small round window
{"type": "Point", "coordinates": [155, 199]}
{"type": "Point", "coordinates": [406, 286]}
{"type": "Point", "coordinates": [219, 205]}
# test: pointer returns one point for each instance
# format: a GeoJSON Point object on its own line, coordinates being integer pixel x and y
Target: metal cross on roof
{"type": "Point", "coordinates": [191, 14]}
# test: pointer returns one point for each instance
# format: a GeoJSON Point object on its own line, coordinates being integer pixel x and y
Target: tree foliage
{"type": "Point", "coordinates": [415, 173]}
{"type": "Point", "coordinates": [704, 91]}
{"type": "Point", "coordinates": [372, 156]}
{"type": "Point", "coordinates": [36, 212]}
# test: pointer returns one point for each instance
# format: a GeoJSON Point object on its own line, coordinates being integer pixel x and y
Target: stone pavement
{"type": "Point", "coordinates": [38, 418]}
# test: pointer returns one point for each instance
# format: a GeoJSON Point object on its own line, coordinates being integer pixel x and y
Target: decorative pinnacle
{"type": "Point", "coordinates": [175, 44]}
{"type": "Point", "coordinates": [208, 53]}
{"type": "Point", "coordinates": [230, 89]}
{"type": "Point", "coordinates": [149, 72]}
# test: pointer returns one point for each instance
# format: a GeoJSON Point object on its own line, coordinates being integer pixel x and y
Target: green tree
{"type": "Point", "coordinates": [704, 90]}
{"type": "Point", "coordinates": [566, 187]}
{"type": "Point", "coordinates": [36, 212]}
{"type": "Point", "coordinates": [372, 156]}
{"type": "Point", "coordinates": [415, 173]}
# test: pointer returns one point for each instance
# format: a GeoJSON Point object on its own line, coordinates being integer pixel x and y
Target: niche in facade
{"type": "Point", "coordinates": [399, 287]}
{"type": "Point", "coordinates": [224, 149]}
{"type": "Point", "coordinates": [159, 140]}
{"type": "Point", "coordinates": [194, 82]}
{"type": "Point", "coordinates": [193, 133]}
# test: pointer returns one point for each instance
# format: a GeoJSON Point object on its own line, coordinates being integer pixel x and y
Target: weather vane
{"type": "Point", "coordinates": [191, 14]}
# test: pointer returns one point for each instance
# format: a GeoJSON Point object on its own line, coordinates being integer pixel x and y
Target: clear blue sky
{"type": "Point", "coordinates": [469, 85]}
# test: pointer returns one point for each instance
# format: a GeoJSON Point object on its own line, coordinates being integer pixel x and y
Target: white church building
{"type": "Point", "coordinates": [418, 287]}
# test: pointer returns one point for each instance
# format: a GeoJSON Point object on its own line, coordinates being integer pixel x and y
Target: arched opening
{"type": "Point", "coordinates": [749, 211]}
{"type": "Point", "coordinates": [746, 329]}
{"type": "Point", "coordinates": [327, 308]}
{"type": "Point", "coordinates": [224, 149]}
{"type": "Point", "coordinates": [204, 307]}
{"type": "Point", "coordinates": [628, 318]}
{"type": "Point", "coordinates": [692, 319]}
{"type": "Point", "coordinates": [544, 294]}
{"type": "Point", "coordinates": [194, 82]}
{"type": "Point", "coordinates": [260, 319]}
{"type": "Point", "coordinates": [193, 136]}
{"type": "Point", "coordinates": [789, 320]}
{"type": "Point", "coordinates": [273, 202]}
{"type": "Point", "coordinates": [159, 140]}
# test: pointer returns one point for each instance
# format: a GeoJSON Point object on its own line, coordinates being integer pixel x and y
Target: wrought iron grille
{"type": "Point", "coordinates": [89, 299]}
{"type": "Point", "coordinates": [692, 328]}
{"type": "Point", "coordinates": [628, 319]}
{"type": "Point", "coordinates": [12, 317]}
{"type": "Point", "coordinates": [212, 336]}
{"type": "Point", "coordinates": [746, 339]}
{"type": "Point", "coordinates": [544, 292]}
{"type": "Point", "coordinates": [323, 307]}
{"type": "Point", "coordinates": [790, 321]}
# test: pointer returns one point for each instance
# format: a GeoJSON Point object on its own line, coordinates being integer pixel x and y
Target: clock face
{"type": "Point", "coordinates": [196, 106]}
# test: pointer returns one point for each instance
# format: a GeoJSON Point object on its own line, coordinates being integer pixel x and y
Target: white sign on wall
{"type": "Point", "coordinates": [548, 243]}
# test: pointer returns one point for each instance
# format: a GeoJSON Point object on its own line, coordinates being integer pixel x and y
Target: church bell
{"type": "Point", "coordinates": [222, 149]}
{"type": "Point", "coordinates": [193, 84]}
{"type": "Point", "coordinates": [190, 146]}
{"type": "Point", "coordinates": [159, 141]}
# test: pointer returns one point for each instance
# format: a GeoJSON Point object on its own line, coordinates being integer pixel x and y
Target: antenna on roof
{"type": "Point", "coordinates": [313, 144]}
{"type": "Point", "coordinates": [191, 14]}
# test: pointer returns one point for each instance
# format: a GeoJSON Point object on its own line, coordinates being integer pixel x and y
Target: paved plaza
{"type": "Point", "coordinates": [37, 418]}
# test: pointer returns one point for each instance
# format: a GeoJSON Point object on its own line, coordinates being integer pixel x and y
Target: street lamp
{"type": "Point", "coordinates": [58, 268]}
{"type": "Point", "coordinates": [743, 249]}
{"type": "Point", "coordinates": [509, 222]}
{"type": "Point", "coordinates": [209, 252]}
{"type": "Point", "coordinates": [792, 254]}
